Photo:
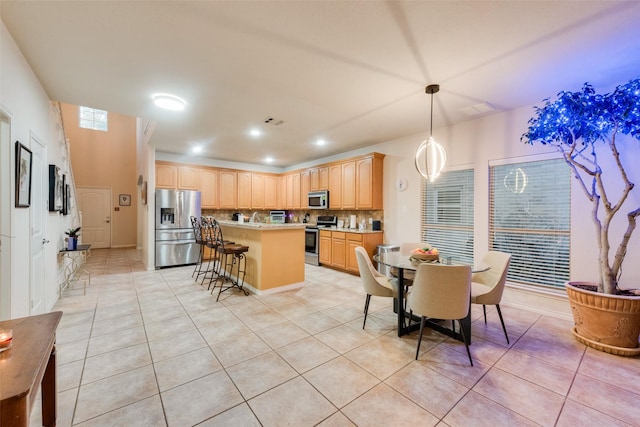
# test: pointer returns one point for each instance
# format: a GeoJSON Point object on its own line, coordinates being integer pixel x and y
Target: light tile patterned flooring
{"type": "Point", "coordinates": [154, 348]}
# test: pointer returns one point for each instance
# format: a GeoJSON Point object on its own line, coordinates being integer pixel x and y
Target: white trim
{"type": "Point", "coordinates": [552, 155]}
{"type": "Point", "coordinates": [548, 302]}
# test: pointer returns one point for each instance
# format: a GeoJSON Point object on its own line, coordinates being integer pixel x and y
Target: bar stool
{"type": "Point", "coordinates": [231, 256]}
{"type": "Point", "coordinates": [208, 241]}
{"type": "Point", "coordinates": [197, 231]}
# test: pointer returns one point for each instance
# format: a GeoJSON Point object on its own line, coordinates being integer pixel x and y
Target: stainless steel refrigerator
{"type": "Point", "coordinates": [175, 239]}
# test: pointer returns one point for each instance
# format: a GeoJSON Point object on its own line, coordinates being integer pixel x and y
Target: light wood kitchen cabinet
{"type": "Point", "coordinates": [338, 249]}
{"type": "Point", "coordinates": [244, 190]}
{"type": "Point", "coordinates": [257, 191]}
{"type": "Point", "coordinates": [281, 193]}
{"type": "Point", "coordinates": [335, 186]}
{"type": "Point", "coordinates": [228, 189]}
{"type": "Point", "coordinates": [305, 187]}
{"type": "Point", "coordinates": [209, 188]}
{"type": "Point", "coordinates": [349, 185]}
{"type": "Point", "coordinates": [270, 192]}
{"type": "Point", "coordinates": [369, 182]}
{"type": "Point", "coordinates": [293, 191]}
{"type": "Point", "coordinates": [325, 247]}
{"type": "Point", "coordinates": [166, 176]}
{"type": "Point", "coordinates": [323, 174]}
{"type": "Point", "coordinates": [188, 178]}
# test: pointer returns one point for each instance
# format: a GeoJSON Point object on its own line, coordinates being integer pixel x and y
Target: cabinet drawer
{"type": "Point", "coordinates": [340, 235]}
{"type": "Point", "coordinates": [354, 237]}
{"type": "Point", "coordinates": [325, 233]}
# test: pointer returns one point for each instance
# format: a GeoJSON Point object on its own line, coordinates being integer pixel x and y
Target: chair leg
{"type": "Point", "coordinates": [484, 310]}
{"type": "Point", "coordinates": [366, 309]}
{"type": "Point", "coordinates": [464, 339]}
{"type": "Point", "coordinates": [502, 321]}
{"type": "Point", "coordinates": [420, 338]}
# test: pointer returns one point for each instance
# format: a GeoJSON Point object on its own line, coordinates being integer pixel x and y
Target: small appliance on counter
{"type": "Point", "coordinates": [277, 217]}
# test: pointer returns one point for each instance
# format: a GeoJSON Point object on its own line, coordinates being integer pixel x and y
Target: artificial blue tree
{"type": "Point", "coordinates": [574, 123]}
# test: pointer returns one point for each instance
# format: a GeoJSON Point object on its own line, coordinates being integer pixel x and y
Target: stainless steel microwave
{"type": "Point", "coordinates": [318, 200]}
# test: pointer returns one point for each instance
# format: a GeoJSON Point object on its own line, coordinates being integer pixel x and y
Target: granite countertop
{"type": "Point", "coordinates": [261, 225]}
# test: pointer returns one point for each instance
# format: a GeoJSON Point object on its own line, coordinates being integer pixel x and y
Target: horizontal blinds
{"type": "Point", "coordinates": [447, 214]}
{"type": "Point", "coordinates": [530, 219]}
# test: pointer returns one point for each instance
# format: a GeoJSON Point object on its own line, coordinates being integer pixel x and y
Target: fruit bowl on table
{"type": "Point", "coordinates": [426, 254]}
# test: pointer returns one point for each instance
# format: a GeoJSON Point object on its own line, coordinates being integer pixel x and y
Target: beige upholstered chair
{"type": "Point", "coordinates": [487, 286]}
{"type": "Point", "coordinates": [441, 292]}
{"type": "Point", "coordinates": [374, 283]}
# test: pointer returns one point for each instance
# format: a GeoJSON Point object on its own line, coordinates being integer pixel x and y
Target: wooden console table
{"type": "Point", "coordinates": [30, 361]}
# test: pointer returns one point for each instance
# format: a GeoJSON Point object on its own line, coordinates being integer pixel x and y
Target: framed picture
{"type": "Point", "coordinates": [55, 189]}
{"type": "Point", "coordinates": [125, 200]}
{"type": "Point", "coordinates": [65, 196]}
{"type": "Point", "coordinates": [23, 176]}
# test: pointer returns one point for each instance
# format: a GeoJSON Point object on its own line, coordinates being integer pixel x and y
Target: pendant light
{"type": "Point", "coordinates": [431, 157]}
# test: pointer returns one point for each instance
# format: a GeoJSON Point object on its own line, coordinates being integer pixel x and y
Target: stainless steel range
{"type": "Point", "coordinates": [312, 238]}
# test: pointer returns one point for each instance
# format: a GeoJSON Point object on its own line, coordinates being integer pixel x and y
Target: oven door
{"type": "Point", "coordinates": [311, 240]}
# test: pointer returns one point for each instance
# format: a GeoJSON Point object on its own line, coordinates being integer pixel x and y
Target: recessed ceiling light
{"type": "Point", "coordinates": [169, 102]}
{"type": "Point", "coordinates": [268, 159]}
{"type": "Point", "coordinates": [197, 149]}
{"type": "Point", "coordinates": [255, 132]}
{"type": "Point", "coordinates": [321, 142]}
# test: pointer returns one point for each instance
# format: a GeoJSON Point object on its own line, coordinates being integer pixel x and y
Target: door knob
{"type": "Point", "coordinates": [107, 221]}
{"type": "Point", "coordinates": [45, 241]}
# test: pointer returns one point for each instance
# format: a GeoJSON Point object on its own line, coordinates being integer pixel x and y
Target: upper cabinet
{"type": "Point", "coordinates": [188, 178]}
{"type": "Point", "coordinates": [228, 189]}
{"type": "Point", "coordinates": [244, 190]}
{"type": "Point", "coordinates": [209, 188]}
{"type": "Point", "coordinates": [166, 176]}
{"type": "Point", "coordinates": [353, 184]}
{"type": "Point", "coordinates": [369, 182]}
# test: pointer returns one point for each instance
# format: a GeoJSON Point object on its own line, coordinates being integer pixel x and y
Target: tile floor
{"type": "Point", "coordinates": [153, 348]}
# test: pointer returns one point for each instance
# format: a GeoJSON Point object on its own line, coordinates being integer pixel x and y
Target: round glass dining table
{"type": "Point", "coordinates": [402, 262]}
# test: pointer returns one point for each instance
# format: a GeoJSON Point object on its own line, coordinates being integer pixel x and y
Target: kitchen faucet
{"type": "Point", "coordinates": [255, 217]}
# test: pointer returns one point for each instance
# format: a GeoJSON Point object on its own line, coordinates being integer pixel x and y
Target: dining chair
{"type": "Point", "coordinates": [441, 292]}
{"type": "Point", "coordinates": [374, 283]}
{"type": "Point", "coordinates": [487, 286]}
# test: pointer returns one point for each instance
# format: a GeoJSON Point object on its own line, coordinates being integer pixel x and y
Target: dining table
{"type": "Point", "coordinates": [404, 262]}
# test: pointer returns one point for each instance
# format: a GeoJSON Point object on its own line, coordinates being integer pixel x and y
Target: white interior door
{"type": "Point", "coordinates": [38, 240]}
{"type": "Point", "coordinates": [95, 205]}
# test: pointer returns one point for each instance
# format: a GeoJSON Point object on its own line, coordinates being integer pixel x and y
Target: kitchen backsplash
{"type": "Point", "coordinates": [298, 215]}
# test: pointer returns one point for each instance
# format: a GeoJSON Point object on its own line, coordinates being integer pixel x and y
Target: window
{"type": "Point", "coordinates": [447, 214]}
{"type": "Point", "coordinates": [530, 218]}
{"type": "Point", "coordinates": [90, 118]}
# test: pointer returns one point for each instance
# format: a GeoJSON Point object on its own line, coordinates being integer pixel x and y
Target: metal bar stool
{"type": "Point", "coordinates": [232, 256]}
{"type": "Point", "coordinates": [208, 240]}
{"type": "Point", "coordinates": [197, 231]}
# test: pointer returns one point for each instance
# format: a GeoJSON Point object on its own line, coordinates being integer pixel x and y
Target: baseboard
{"type": "Point", "coordinates": [548, 302]}
{"type": "Point", "coordinates": [123, 246]}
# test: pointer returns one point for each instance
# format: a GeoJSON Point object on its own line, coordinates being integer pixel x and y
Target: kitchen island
{"type": "Point", "coordinates": [275, 260]}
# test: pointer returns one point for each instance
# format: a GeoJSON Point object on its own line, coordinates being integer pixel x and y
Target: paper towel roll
{"type": "Point", "coordinates": [352, 221]}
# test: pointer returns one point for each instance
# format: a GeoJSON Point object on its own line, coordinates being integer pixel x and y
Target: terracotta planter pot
{"type": "Point", "coordinates": [609, 323]}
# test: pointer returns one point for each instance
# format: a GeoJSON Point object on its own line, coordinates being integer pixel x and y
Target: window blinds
{"type": "Point", "coordinates": [530, 218]}
{"type": "Point", "coordinates": [447, 214]}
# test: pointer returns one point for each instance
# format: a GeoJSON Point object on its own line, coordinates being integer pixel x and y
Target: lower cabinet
{"type": "Point", "coordinates": [337, 248]}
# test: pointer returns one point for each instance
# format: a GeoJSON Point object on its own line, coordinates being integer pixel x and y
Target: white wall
{"type": "Point", "coordinates": [23, 98]}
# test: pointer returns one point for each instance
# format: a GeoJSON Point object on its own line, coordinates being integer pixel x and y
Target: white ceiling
{"type": "Point", "coordinates": [351, 72]}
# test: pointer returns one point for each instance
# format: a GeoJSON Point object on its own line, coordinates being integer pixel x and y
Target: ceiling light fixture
{"type": "Point", "coordinates": [169, 102]}
{"type": "Point", "coordinates": [321, 142]}
{"type": "Point", "coordinates": [255, 132]}
{"type": "Point", "coordinates": [268, 159]}
{"type": "Point", "coordinates": [197, 149]}
{"type": "Point", "coordinates": [431, 157]}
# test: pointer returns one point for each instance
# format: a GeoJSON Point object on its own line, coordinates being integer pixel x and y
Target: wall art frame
{"type": "Point", "coordinates": [24, 162]}
{"type": "Point", "coordinates": [55, 189]}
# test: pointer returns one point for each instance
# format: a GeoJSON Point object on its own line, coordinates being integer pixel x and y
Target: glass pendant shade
{"type": "Point", "coordinates": [431, 158]}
